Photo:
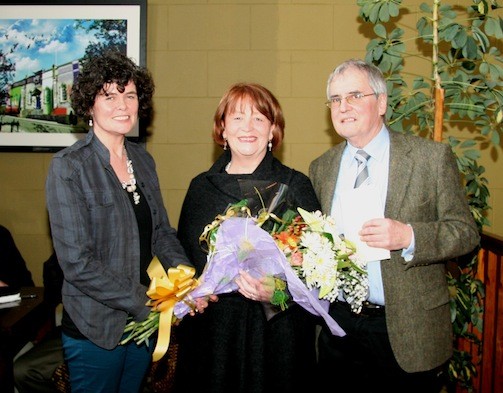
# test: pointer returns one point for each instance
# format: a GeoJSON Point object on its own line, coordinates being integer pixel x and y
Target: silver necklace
{"type": "Point", "coordinates": [131, 185]}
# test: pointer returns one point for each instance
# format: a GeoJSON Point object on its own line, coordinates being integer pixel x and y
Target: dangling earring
{"type": "Point", "coordinates": [269, 145]}
{"type": "Point", "coordinates": [90, 122]}
{"type": "Point", "coordinates": [225, 144]}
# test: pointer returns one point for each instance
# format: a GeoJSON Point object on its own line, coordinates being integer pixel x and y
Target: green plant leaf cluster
{"type": "Point", "coordinates": [466, 301]}
{"type": "Point", "coordinates": [469, 64]}
{"type": "Point", "coordinates": [462, 44]}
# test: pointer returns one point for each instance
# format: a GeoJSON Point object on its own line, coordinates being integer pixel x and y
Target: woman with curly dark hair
{"type": "Point", "coordinates": [108, 220]}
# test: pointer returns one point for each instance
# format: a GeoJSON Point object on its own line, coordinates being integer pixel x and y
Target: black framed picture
{"type": "Point", "coordinates": [42, 48]}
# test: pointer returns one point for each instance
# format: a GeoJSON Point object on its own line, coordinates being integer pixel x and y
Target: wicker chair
{"type": "Point", "coordinates": [61, 379]}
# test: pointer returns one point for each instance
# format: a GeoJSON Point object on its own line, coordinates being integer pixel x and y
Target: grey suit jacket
{"type": "Point", "coordinates": [96, 237]}
{"type": "Point", "coordinates": [425, 191]}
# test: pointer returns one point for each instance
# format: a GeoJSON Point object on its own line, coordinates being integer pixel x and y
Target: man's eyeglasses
{"type": "Point", "coordinates": [351, 99]}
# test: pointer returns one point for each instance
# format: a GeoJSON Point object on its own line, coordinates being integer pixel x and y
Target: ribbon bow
{"type": "Point", "coordinates": [165, 291]}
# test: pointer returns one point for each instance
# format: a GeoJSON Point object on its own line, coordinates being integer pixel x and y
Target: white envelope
{"type": "Point", "coordinates": [357, 206]}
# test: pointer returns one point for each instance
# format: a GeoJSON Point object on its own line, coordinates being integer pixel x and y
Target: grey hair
{"type": "Point", "coordinates": [376, 78]}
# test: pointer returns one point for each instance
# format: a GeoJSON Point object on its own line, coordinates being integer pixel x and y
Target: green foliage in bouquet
{"type": "Point", "coordinates": [140, 332]}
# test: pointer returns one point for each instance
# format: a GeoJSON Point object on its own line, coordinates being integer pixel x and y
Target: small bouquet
{"type": "Point", "coordinates": [165, 290]}
{"type": "Point", "coordinates": [321, 258]}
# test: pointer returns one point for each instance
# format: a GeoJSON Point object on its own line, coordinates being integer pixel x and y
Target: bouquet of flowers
{"type": "Point", "coordinates": [321, 258]}
{"type": "Point", "coordinates": [300, 248]}
{"type": "Point", "coordinates": [165, 290]}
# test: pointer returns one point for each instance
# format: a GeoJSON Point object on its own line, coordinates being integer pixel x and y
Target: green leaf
{"type": "Point", "coordinates": [496, 73]}
{"type": "Point", "coordinates": [393, 9]}
{"type": "Point", "coordinates": [422, 25]}
{"type": "Point", "coordinates": [396, 34]}
{"type": "Point", "coordinates": [398, 49]}
{"type": "Point", "coordinates": [484, 68]}
{"type": "Point", "coordinates": [374, 13]}
{"type": "Point", "coordinates": [477, 23]}
{"type": "Point", "coordinates": [460, 39]}
{"type": "Point", "coordinates": [493, 28]}
{"type": "Point", "coordinates": [386, 63]}
{"type": "Point", "coordinates": [380, 30]}
{"type": "Point", "coordinates": [482, 39]}
{"type": "Point", "coordinates": [468, 143]}
{"type": "Point", "coordinates": [425, 8]}
{"type": "Point", "coordinates": [450, 33]}
{"type": "Point", "coordinates": [384, 13]}
{"type": "Point", "coordinates": [470, 49]}
{"type": "Point", "coordinates": [373, 44]}
{"type": "Point", "coordinates": [369, 57]}
{"type": "Point", "coordinates": [280, 298]}
{"type": "Point", "coordinates": [495, 138]}
{"type": "Point", "coordinates": [446, 11]}
{"type": "Point", "coordinates": [472, 154]}
{"type": "Point", "coordinates": [378, 52]}
{"type": "Point", "coordinates": [419, 83]}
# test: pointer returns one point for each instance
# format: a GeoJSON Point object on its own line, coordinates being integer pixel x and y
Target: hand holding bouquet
{"type": "Point", "coordinates": [302, 248]}
{"type": "Point", "coordinates": [165, 290]}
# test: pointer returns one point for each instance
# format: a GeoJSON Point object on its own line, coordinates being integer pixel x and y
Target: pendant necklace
{"type": "Point", "coordinates": [131, 185]}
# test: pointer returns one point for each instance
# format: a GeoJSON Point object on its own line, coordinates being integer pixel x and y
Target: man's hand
{"type": "Point", "coordinates": [386, 233]}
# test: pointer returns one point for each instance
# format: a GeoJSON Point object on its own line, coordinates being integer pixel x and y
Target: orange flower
{"type": "Point", "coordinates": [287, 239]}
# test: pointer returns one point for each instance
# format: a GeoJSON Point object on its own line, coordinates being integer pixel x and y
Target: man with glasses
{"type": "Point", "coordinates": [400, 199]}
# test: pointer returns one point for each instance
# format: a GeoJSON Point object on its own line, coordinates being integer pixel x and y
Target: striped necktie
{"type": "Point", "coordinates": [363, 172]}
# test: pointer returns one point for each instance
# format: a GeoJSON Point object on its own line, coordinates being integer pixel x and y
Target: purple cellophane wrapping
{"type": "Point", "coordinates": [242, 245]}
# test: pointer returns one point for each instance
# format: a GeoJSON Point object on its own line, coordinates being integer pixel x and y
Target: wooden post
{"type": "Point", "coordinates": [439, 114]}
{"type": "Point", "coordinates": [439, 92]}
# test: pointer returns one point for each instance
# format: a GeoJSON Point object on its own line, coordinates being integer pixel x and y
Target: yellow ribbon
{"type": "Point", "coordinates": [165, 291]}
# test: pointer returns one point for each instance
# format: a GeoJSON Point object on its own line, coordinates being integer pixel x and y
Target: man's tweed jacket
{"type": "Point", "coordinates": [425, 191]}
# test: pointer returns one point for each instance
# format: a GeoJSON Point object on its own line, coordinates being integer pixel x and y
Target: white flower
{"type": "Point", "coordinates": [330, 262]}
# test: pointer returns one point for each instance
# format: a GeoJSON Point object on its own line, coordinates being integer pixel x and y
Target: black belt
{"type": "Point", "coordinates": [368, 309]}
{"type": "Point", "coordinates": [371, 310]}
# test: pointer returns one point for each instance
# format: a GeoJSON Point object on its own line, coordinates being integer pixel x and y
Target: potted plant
{"type": "Point", "coordinates": [461, 91]}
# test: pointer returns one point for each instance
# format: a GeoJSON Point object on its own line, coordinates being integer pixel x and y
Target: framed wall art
{"type": "Point", "coordinates": [41, 52]}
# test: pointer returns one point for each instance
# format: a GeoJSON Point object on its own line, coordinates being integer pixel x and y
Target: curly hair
{"type": "Point", "coordinates": [111, 67]}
